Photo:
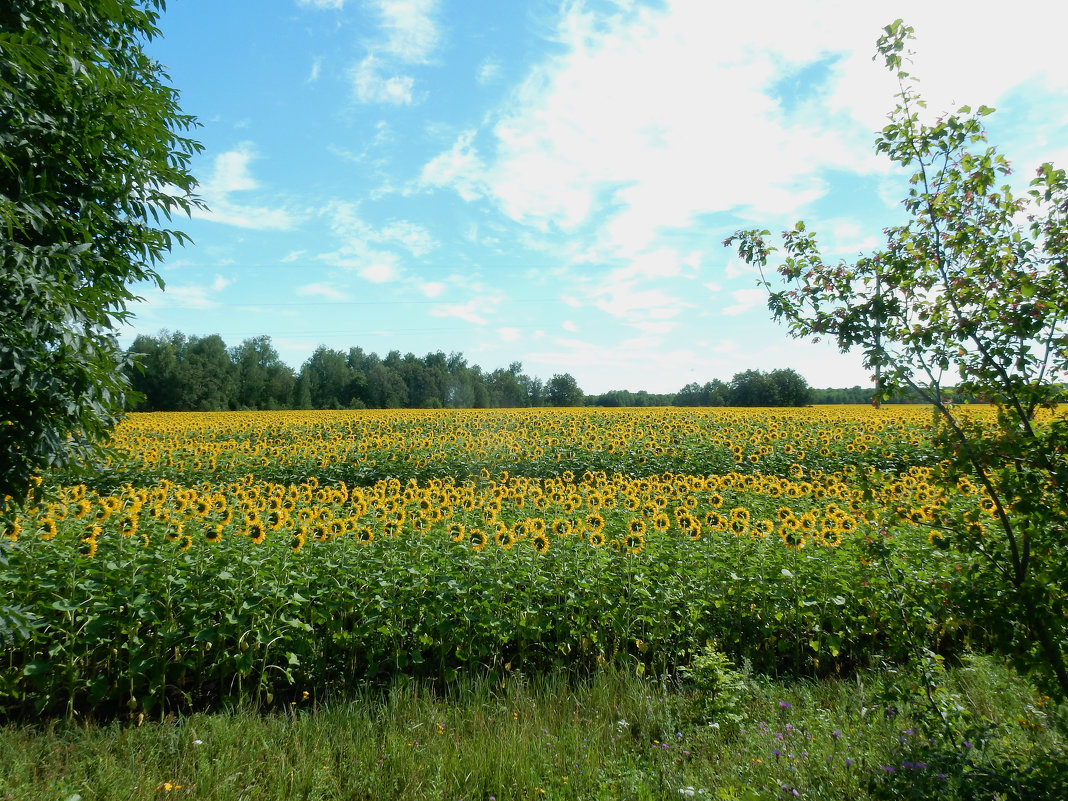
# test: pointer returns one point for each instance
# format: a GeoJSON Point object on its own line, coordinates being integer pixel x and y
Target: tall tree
{"type": "Point", "coordinates": [973, 287]}
{"type": "Point", "coordinates": [563, 390]}
{"type": "Point", "coordinates": [93, 152]}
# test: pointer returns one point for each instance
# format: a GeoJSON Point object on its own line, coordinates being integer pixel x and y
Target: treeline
{"type": "Point", "coordinates": [749, 388]}
{"type": "Point", "coordinates": [176, 372]}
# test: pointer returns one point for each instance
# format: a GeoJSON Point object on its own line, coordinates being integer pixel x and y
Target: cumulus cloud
{"type": "Point", "coordinates": [372, 86]}
{"type": "Point", "coordinates": [459, 168]}
{"type": "Point", "coordinates": [230, 174]}
{"type": "Point", "coordinates": [411, 32]}
{"type": "Point", "coordinates": [321, 291]}
{"type": "Point", "coordinates": [432, 289]}
{"type": "Point", "coordinates": [409, 36]}
{"type": "Point", "coordinates": [648, 119]}
{"type": "Point", "coordinates": [360, 244]}
{"type": "Point", "coordinates": [744, 300]}
{"type": "Point", "coordinates": [476, 310]}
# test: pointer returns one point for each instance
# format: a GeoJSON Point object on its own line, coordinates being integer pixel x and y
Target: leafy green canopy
{"type": "Point", "coordinates": [973, 289]}
{"type": "Point", "coordinates": [92, 157]}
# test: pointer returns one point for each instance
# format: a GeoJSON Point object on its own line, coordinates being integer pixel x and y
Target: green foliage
{"type": "Point", "coordinates": [719, 684]}
{"type": "Point", "coordinates": [609, 736]}
{"type": "Point", "coordinates": [974, 284]}
{"type": "Point", "coordinates": [92, 156]}
{"type": "Point", "coordinates": [563, 390]}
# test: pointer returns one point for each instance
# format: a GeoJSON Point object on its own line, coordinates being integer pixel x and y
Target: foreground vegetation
{"type": "Point", "coordinates": [513, 604]}
{"type": "Point", "coordinates": [552, 736]}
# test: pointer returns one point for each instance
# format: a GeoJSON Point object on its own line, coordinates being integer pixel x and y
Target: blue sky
{"type": "Point", "coordinates": [550, 182]}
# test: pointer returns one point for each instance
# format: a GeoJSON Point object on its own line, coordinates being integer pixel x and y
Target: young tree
{"type": "Point", "coordinates": [93, 153]}
{"type": "Point", "coordinates": [973, 289]}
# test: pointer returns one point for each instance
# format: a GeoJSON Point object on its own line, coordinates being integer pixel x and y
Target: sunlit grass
{"type": "Point", "coordinates": [555, 736]}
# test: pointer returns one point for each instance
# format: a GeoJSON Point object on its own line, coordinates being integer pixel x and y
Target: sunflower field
{"type": "Point", "coordinates": [273, 556]}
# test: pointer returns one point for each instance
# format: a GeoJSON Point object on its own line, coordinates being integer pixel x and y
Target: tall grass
{"type": "Point", "coordinates": [611, 736]}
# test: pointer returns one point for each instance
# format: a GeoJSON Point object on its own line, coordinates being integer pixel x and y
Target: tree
{"type": "Point", "coordinates": [563, 390]}
{"type": "Point", "coordinates": [752, 388]}
{"type": "Point", "coordinates": [973, 289]}
{"type": "Point", "coordinates": [790, 387]}
{"type": "Point", "coordinates": [93, 153]}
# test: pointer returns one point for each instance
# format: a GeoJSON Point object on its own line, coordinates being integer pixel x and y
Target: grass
{"type": "Point", "coordinates": [610, 736]}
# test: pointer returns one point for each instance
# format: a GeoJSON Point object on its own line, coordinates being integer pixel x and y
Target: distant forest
{"type": "Point", "coordinates": [175, 372]}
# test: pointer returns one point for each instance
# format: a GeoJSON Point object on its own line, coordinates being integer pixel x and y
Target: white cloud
{"type": "Point", "coordinates": [473, 311]}
{"type": "Point", "coordinates": [411, 33]}
{"type": "Point", "coordinates": [649, 119]}
{"type": "Point", "coordinates": [229, 174]}
{"type": "Point", "coordinates": [220, 283]}
{"type": "Point", "coordinates": [180, 296]}
{"type": "Point", "coordinates": [414, 238]}
{"type": "Point", "coordinates": [357, 238]}
{"type": "Point", "coordinates": [292, 256]}
{"type": "Point", "coordinates": [373, 87]}
{"type": "Point", "coordinates": [410, 37]}
{"type": "Point", "coordinates": [569, 326]}
{"type": "Point", "coordinates": [432, 289]}
{"type": "Point", "coordinates": [459, 168]}
{"type": "Point", "coordinates": [380, 271]}
{"type": "Point", "coordinates": [316, 68]}
{"type": "Point", "coordinates": [321, 291]}
{"type": "Point", "coordinates": [488, 71]}
{"type": "Point", "coordinates": [745, 299]}
{"type": "Point", "coordinates": [509, 334]}
{"type": "Point", "coordinates": [322, 3]}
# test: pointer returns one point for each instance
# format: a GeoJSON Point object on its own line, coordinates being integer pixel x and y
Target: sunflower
{"type": "Point", "coordinates": [561, 527]}
{"type": "Point", "coordinates": [715, 500]}
{"type": "Point", "coordinates": [540, 543]}
{"type": "Point", "coordinates": [213, 532]}
{"type": "Point", "coordinates": [536, 525]}
{"type": "Point", "coordinates": [763, 527]}
{"type": "Point", "coordinates": [715, 521]}
{"type": "Point", "coordinates": [478, 539]}
{"type": "Point", "coordinates": [596, 538]}
{"type": "Point", "coordinates": [456, 531]}
{"type": "Point", "coordinates": [937, 538]}
{"type": "Point", "coordinates": [636, 526]}
{"type": "Point", "coordinates": [47, 528]}
{"type": "Point", "coordinates": [257, 532]}
{"type": "Point", "coordinates": [634, 543]}
{"type": "Point", "coordinates": [791, 537]}
{"type": "Point", "coordinates": [594, 522]}
{"type": "Point", "coordinates": [365, 535]}
{"type": "Point", "coordinates": [506, 539]}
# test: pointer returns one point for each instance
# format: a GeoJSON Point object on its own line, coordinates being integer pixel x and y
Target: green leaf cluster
{"type": "Point", "coordinates": [94, 160]}
{"type": "Point", "coordinates": [971, 291]}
